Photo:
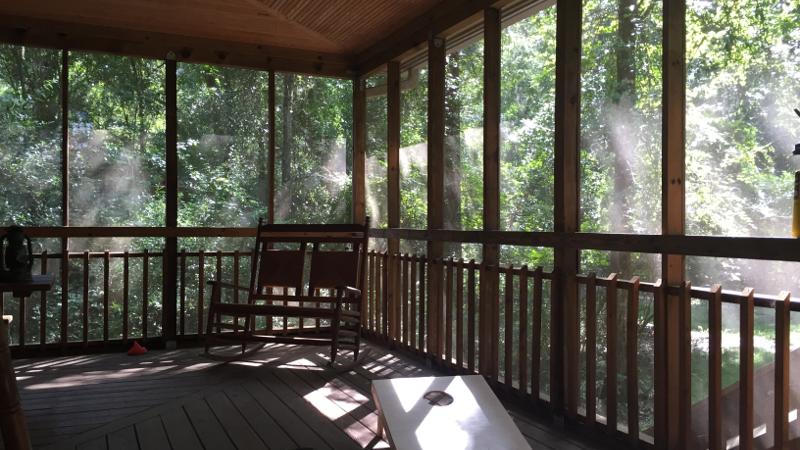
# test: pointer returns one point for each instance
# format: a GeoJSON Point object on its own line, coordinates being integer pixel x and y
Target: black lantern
{"type": "Point", "coordinates": [17, 256]}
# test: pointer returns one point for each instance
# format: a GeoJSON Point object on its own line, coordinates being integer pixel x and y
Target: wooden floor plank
{"type": "Point", "coordinates": [332, 403]}
{"type": "Point", "coordinates": [95, 444]}
{"type": "Point", "coordinates": [323, 427]}
{"type": "Point", "coordinates": [124, 439]}
{"type": "Point", "coordinates": [234, 424]}
{"type": "Point", "coordinates": [180, 431]}
{"type": "Point", "coordinates": [283, 397]}
{"type": "Point", "coordinates": [262, 423]}
{"type": "Point", "coordinates": [301, 433]}
{"type": "Point", "coordinates": [206, 425]}
{"type": "Point", "coordinates": [151, 434]}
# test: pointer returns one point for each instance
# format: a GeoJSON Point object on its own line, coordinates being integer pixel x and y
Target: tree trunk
{"type": "Point", "coordinates": [286, 142]}
{"type": "Point", "coordinates": [453, 145]}
{"type": "Point", "coordinates": [623, 135]}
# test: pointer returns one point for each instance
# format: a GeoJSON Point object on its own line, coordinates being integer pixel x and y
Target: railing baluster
{"type": "Point", "coordinates": [460, 315]}
{"type": "Point", "coordinates": [523, 330]}
{"type": "Point", "coordinates": [385, 297]}
{"type": "Point", "coordinates": [591, 348]}
{"type": "Point", "coordinates": [611, 354]}
{"type": "Point", "coordinates": [685, 336]}
{"type": "Point", "coordinates": [422, 301]}
{"type": "Point", "coordinates": [21, 328]}
{"type": "Point", "coordinates": [660, 377]}
{"type": "Point", "coordinates": [631, 360]}
{"type": "Point", "coordinates": [236, 285]}
{"type": "Point", "coordinates": [715, 369]}
{"type": "Point", "coordinates": [63, 327]}
{"type": "Point", "coordinates": [371, 317]}
{"type": "Point", "coordinates": [85, 298]}
{"type": "Point", "coordinates": [782, 322]}
{"type": "Point", "coordinates": [393, 300]}
{"type": "Point", "coordinates": [145, 293]}
{"type": "Point", "coordinates": [125, 296]}
{"type": "Point", "coordinates": [746, 352]}
{"type": "Point", "coordinates": [508, 374]}
{"type": "Point", "coordinates": [201, 291]}
{"type": "Point", "coordinates": [448, 313]}
{"type": "Point", "coordinates": [536, 332]}
{"type": "Point", "coordinates": [43, 305]}
{"type": "Point", "coordinates": [404, 305]}
{"type": "Point", "coordinates": [106, 289]}
{"type": "Point", "coordinates": [471, 316]}
{"type": "Point", "coordinates": [183, 292]}
{"type": "Point", "coordinates": [412, 314]}
{"type": "Point", "coordinates": [377, 299]}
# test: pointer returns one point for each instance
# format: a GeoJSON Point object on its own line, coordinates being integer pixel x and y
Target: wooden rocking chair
{"type": "Point", "coordinates": [278, 289]}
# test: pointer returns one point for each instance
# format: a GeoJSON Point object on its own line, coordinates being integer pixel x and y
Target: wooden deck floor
{"type": "Point", "coordinates": [283, 397]}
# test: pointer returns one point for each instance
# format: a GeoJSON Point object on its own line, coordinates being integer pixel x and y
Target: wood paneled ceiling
{"type": "Point", "coordinates": [342, 27]}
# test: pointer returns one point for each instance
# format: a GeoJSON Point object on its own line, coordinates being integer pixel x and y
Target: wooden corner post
{"type": "Point", "coordinates": [565, 332]}
{"type": "Point", "coordinates": [490, 280]}
{"type": "Point", "coordinates": [436, 88]}
{"type": "Point", "coordinates": [667, 336]}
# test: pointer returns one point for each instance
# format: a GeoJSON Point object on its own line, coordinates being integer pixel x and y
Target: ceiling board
{"type": "Point", "coordinates": [344, 27]}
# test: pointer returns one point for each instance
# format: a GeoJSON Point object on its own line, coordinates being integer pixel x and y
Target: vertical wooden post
{"type": "Point", "coordinates": [564, 349]}
{"type": "Point", "coordinates": [271, 150]}
{"type": "Point", "coordinates": [490, 280]}
{"type": "Point", "coordinates": [392, 176]}
{"type": "Point", "coordinates": [782, 362]}
{"type": "Point", "coordinates": [667, 407]}
{"type": "Point", "coordinates": [64, 80]}
{"type": "Point", "coordinates": [393, 150]}
{"type": "Point", "coordinates": [436, 88]}
{"type": "Point", "coordinates": [171, 245]}
{"type": "Point", "coordinates": [359, 149]}
{"type": "Point", "coordinates": [715, 438]}
{"type": "Point", "coordinates": [746, 321]}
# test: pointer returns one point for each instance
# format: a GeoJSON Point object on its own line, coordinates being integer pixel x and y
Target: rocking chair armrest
{"type": "Point", "coordinates": [348, 291]}
{"type": "Point", "coordinates": [228, 285]}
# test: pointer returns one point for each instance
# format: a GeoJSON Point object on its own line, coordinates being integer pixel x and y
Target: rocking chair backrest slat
{"type": "Point", "coordinates": [331, 269]}
{"type": "Point", "coordinates": [281, 268]}
{"type": "Point", "coordinates": [277, 267]}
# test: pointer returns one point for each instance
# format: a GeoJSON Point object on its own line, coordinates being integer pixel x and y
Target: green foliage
{"type": "Point", "coordinates": [30, 137]}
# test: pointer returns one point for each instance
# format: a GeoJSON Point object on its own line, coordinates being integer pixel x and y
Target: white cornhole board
{"type": "Point", "coordinates": [475, 420]}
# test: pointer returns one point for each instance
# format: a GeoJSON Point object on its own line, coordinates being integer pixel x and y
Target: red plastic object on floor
{"type": "Point", "coordinates": [136, 349]}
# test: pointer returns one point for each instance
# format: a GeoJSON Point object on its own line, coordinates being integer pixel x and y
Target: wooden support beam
{"type": "Point", "coordinates": [438, 19]}
{"type": "Point", "coordinates": [170, 261]}
{"type": "Point", "coordinates": [564, 373]}
{"type": "Point", "coordinates": [490, 285]}
{"type": "Point", "coordinates": [271, 150]}
{"type": "Point", "coordinates": [667, 408]}
{"type": "Point", "coordinates": [57, 34]}
{"type": "Point", "coordinates": [393, 168]}
{"type": "Point", "coordinates": [393, 149]}
{"type": "Point", "coordinates": [64, 80]}
{"type": "Point", "coordinates": [436, 89]}
{"type": "Point", "coordinates": [359, 150]}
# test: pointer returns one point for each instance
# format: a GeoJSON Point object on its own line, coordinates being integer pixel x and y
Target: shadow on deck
{"type": "Point", "coordinates": [283, 397]}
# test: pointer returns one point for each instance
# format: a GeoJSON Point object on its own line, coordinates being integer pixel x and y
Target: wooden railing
{"type": "Point", "coordinates": [443, 327]}
{"type": "Point", "coordinates": [84, 289]}
{"type": "Point", "coordinates": [103, 299]}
